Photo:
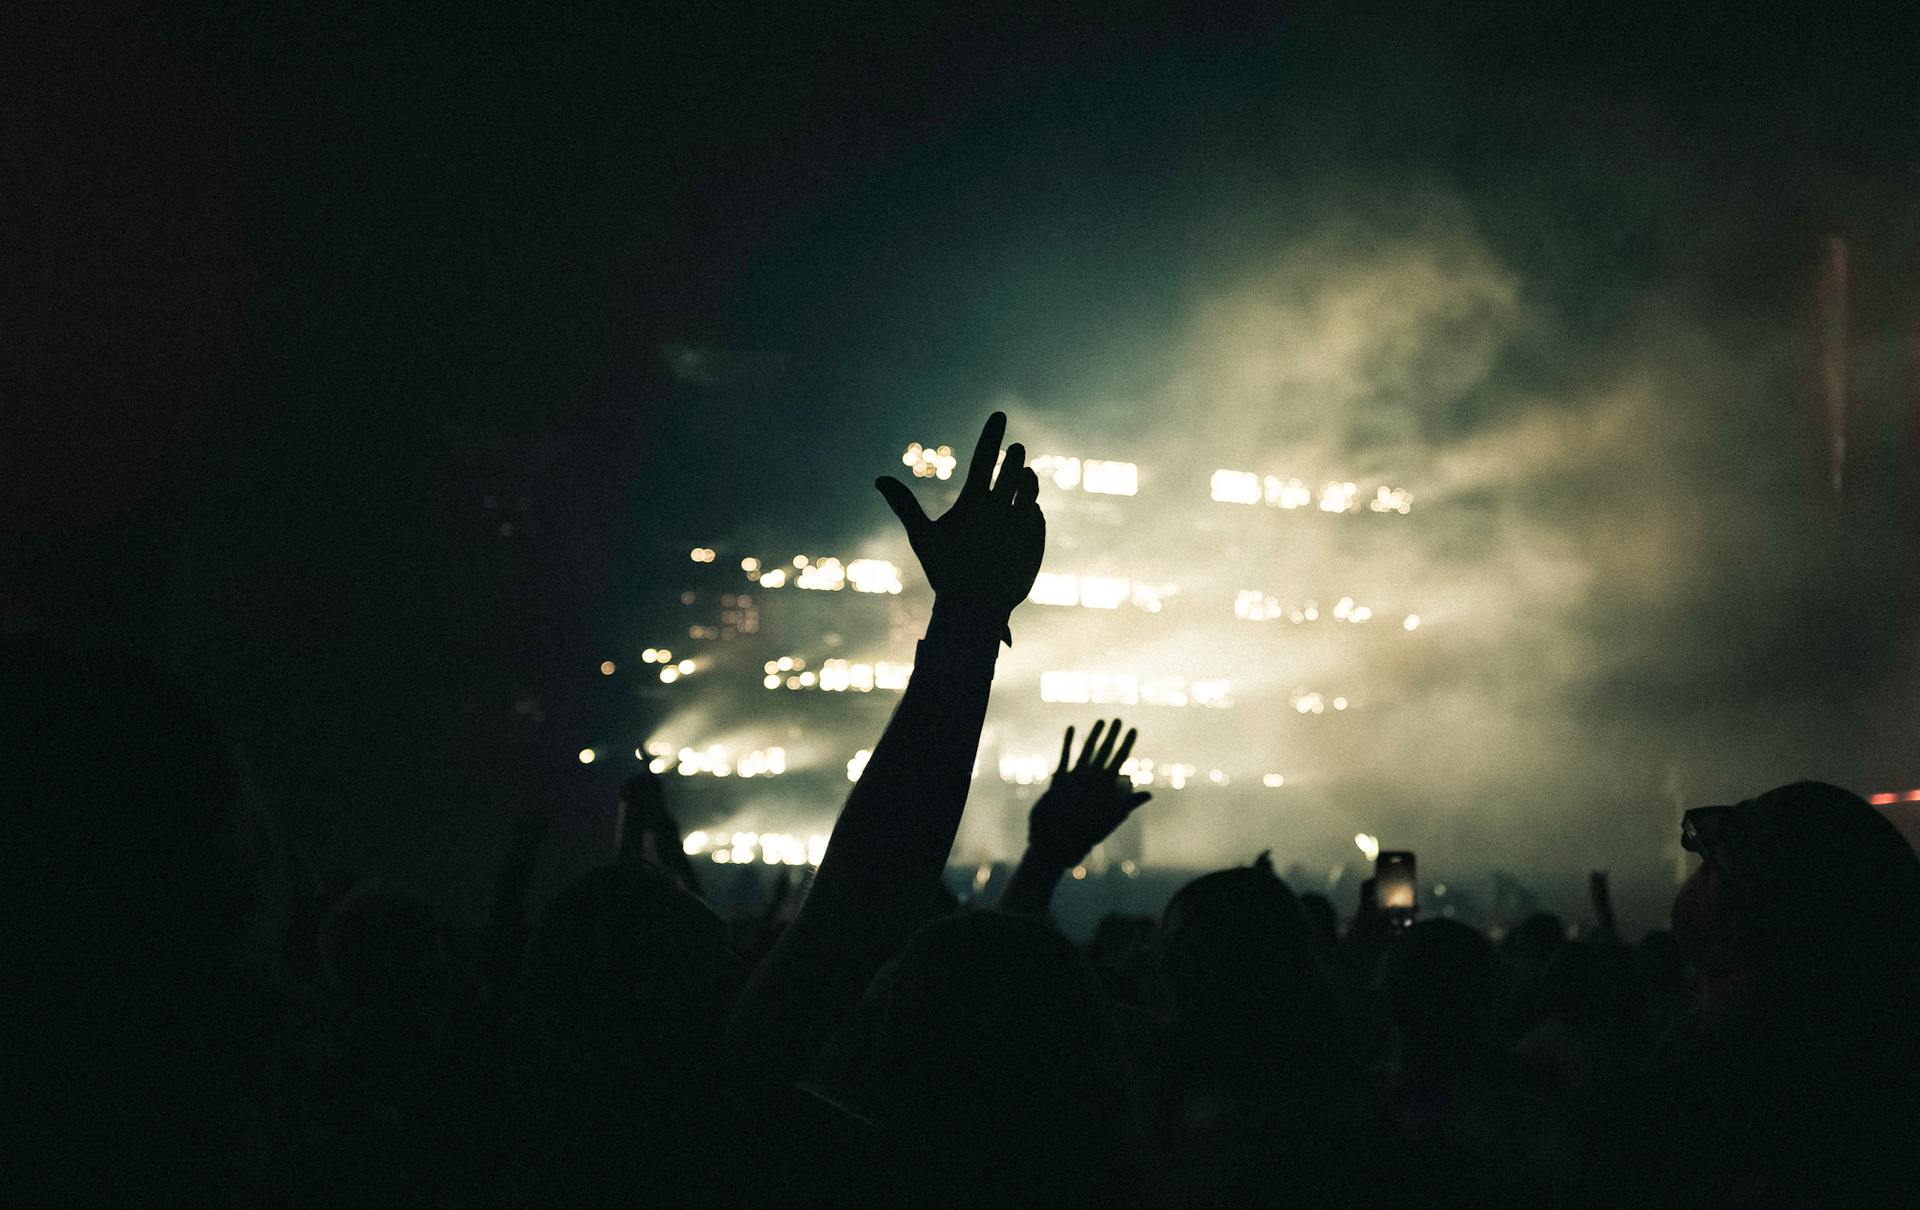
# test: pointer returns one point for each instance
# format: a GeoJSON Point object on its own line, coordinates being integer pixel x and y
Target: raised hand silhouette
{"type": "Point", "coordinates": [982, 554]}
{"type": "Point", "coordinates": [649, 832]}
{"type": "Point", "coordinates": [895, 834]}
{"type": "Point", "coordinates": [1087, 799]}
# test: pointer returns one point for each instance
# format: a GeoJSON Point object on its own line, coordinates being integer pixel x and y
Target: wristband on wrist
{"type": "Point", "coordinates": [964, 621]}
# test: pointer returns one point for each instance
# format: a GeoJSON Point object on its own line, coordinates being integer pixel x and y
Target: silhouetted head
{"type": "Point", "coordinates": [1323, 920]}
{"type": "Point", "coordinates": [993, 1057]}
{"type": "Point", "coordinates": [1235, 939]}
{"type": "Point", "coordinates": [1588, 983]}
{"type": "Point", "coordinates": [1440, 984]}
{"type": "Point", "coordinates": [628, 966]}
{"type": "Point", "coordinates": [1801, 886]}
{"type": "Point", "coordinates": [1531, 944]}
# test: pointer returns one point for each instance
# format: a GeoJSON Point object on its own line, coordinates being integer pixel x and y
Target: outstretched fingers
{"type": "Point", "coordinates": [1013, 473]}
{"type": "Point", "coordinates": [1105, 758]}
{"type": "Point", "coordinates": [1126, 747]}
{"type": "Point", "coordinates": [1093, 741]}
{"type": "Point", "coordinates": [1066, 751]}
{"type": "Point", "coordinates": [985, 452]}
{"type": "Point", "coordinates": [1026, 490]}
{"type": "Point", "coordinates": [905, 505]}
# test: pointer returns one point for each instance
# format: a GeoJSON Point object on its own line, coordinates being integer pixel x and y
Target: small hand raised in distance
{"type": "Point", "coordinates": [984, 552]}
{"type": "Point", "coordinates": [643, 803]}
{"type": "Point", "coordinates": [1087, 799]}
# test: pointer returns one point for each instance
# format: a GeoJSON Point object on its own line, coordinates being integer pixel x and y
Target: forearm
{"type": "Point", "coordinates": [1030, 890]}
{"type": "Point", "coordinates": [888, 851]}
{"type": "Point", "coordinates": [894, 835]}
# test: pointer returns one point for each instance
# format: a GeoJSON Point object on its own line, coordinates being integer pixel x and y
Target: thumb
{"type": "Point", "coordinates": [1136, 800]}
{"type": "Point", "coordinates": [900, 499]}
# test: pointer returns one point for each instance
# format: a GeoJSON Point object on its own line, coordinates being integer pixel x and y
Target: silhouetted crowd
{"type": "Point", "coordinates": [201, 1019]}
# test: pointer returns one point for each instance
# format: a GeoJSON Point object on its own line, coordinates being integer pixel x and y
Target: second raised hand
{"type": "Point", "coordinates": [984, 552]}
{"type": "Point", "coordinates": [1087, 799]}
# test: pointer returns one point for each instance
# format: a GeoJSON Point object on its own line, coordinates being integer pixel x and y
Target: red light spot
{"type": "Point", "coordinates": [1913, 795]}
{"type": "Point", "coordinates": [1881, 800]}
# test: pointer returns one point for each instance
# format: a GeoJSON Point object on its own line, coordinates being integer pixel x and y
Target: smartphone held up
{"type": "Point", "coordinates": [1397, 884]}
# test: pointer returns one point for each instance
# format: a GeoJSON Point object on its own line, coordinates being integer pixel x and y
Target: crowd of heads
{"type": "Point", "coordinates": [204, 1020]}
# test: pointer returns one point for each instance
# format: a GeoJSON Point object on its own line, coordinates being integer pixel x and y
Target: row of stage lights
{"type": "Point", "coordinates": [1110, 478]}
{"type": "Point", "coordinates": [717, 760]}
{"type": "Point", "coordinates": [1049, 588]}
{"type": "Point", "coordinates": [1251, 605]}
{"type": "Point", "coordinates": [1057, 686]}
{"type": "Point", "coordinates": [1246, 487]}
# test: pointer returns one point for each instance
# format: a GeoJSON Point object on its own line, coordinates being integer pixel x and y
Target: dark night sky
{"type": "Point", "coordinates": [300, 279]}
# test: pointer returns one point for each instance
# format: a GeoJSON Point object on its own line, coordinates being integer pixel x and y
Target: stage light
{"type": "Point", "coordinates": [1391, 500]}
{"type": "Point", "coordinates": [1214, 695]}
{"type": "Point", "coordinates": [1236, 487]}
{"type": "Point", "coordinates": [1061, 470]}
{"type": "Point", "coordinates": [1273, 781]}
{"type": "Point", "coordinates": [1291, 494]}
{"type": "Point", "coordinates": [825, 576]}
{"type": "Point", "coordinates": [1337, 497]}
{"type": "Point", "coordinates": [858, 765]}
{"type": "Point", "coordinates": [606, 667]}
{"type": "Point", "coordinates": [1411, 624]}
{"type": "Point", "coordinates": [1103, 592]}
{"type": "Point", "coordinates": [1050, 588]}
{"type": "Point", "coordinates": [586, 756]}
{"type": "Point", "coordinates": [1369, 846]}
{"type": "Point", "coordinates": [1109, 478]}
{"type": "Point", "coordinates": [929, 462]}
{"type": "Point", "coordinates": [776, 578]}
{"type": "Point", "coordinates": [1064, 687]}
{"type": "Point", "coordinates": [873, 575]}
{"type": "Point", "coordinates": [694, 844]}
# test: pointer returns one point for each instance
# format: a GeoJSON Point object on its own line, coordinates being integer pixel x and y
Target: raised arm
{"type": "Point", "coordinates": [648, 831]}
{"type": "Point", "coordinates": [1086, 802]}
{"type": "Point", "coordinates": [507, 920]}
{"type": "Point", "coordinates": [890, 845]}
